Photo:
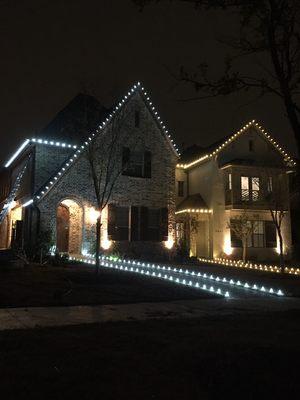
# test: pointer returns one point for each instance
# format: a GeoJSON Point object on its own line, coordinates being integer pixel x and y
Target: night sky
{"type": "Point", "coordinates": [51, 50]}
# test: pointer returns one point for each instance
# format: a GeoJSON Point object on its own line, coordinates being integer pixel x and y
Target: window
{"type": "Point", "coordinates": [250, 187]}
{"type": "Point", "coordinates": [258, 234]}
{"type": "Point", "coordinates": [136, 163]}
{"type": "Point", "coordinates": [149, 224]}
{"type": "Point", "coordinates": [153, 224]}
{"type": "Point", "coordinates": [255, 186]}
{"type": "Point", "coordinates": [137, 223]}
{"type": "Point", "coordinates": [271, 235]}
{"type": "Point", "coordinates": [180, 188]}
{"type": "Point", "coordinates": [137, 119]}
{"type": "Point", "coordinates": [251, 145]}
{"type": "Point", "coordinates": [118, 222]}
{"type": "Point", "coordinates": [263, 235]}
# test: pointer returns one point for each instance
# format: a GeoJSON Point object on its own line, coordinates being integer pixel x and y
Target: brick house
{"type": "Point", "coordinates": [47, 184]}
{"type": "Point", "coordinates": [231, 177]}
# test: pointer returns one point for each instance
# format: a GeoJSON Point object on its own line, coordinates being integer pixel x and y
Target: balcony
{"type": "Point", "coordinates": [245, 198]}
{"type": "Point", "coordinates": [250, 195]}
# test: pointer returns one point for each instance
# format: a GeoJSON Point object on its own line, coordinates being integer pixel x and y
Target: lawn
{"type": "Point", "coordinates": [245, 357]}
{"type": "Point", "coordinates": [78, 285]}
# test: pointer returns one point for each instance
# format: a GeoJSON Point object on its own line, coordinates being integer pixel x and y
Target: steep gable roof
{"type": "Point", "coordinates": [80, 115]}
{"type": "Point", "coordinates": [137, 87]}
{"type": "Point", "coordinates": [209, 152]}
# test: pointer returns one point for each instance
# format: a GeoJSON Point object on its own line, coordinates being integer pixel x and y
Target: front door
{"type": "Point", "coordinates": [62, 229]}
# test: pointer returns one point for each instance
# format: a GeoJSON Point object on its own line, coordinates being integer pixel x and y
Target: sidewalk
{"type": "Point", "coordinates": [36, 317]}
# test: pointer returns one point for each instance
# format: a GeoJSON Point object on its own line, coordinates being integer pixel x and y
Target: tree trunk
{"type": "Point", "coordinates": [244, 250]}
{"type": "Point", "coordinates": [281, 255]}
{"type": "Point", "coordinates": [98, 242]}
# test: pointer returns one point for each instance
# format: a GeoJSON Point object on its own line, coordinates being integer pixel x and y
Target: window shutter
{"type": "Point", "coordinates": [125, 158]}
{"type": "Point", "coordinates": [164, 224]}
{"type": "Point", "coordinates": [134, 233]}
{"type": "Point", "coordinates": [111, 223]}
{"type": "Point", "coordinates": [144, 224]}
{"type": "Point", "coordinates": [147, 164]}
{"type": "Point", "coordinates": [270, 231]}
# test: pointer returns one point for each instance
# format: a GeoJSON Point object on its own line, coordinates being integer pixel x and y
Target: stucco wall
{"type": "Point", "coordinates": [208, 179]}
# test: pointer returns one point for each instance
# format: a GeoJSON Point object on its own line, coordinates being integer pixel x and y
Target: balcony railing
{"type": "Point", "coordinates": [250, 195]}
{"type": "Point", "coordinates": [244, 196]}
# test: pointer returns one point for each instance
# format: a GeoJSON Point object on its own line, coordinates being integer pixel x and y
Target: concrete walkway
{"type": "Point", "coordinates": [35, 317]}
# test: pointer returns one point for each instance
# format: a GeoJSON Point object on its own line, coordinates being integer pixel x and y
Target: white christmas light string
{"type": "Point", "coordinates": [173, 274]}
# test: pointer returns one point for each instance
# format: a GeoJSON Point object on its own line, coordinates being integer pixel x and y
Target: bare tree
{"type": "Point", "coordinates": [269, 36]}
{"type": "Point", "coordinates": [243, 229]}
{"type": "Point", "coordinates": [107, 163]}
{"type": "Point", "coordinates": [277, 198]}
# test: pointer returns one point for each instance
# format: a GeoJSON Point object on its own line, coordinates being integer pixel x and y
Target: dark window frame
{"type": "Point", "coordinates": [140, 226]}
{"type": "Point", "coordinates": [255, 237]}
{"type": "Point", "coordinates": [140, 169]}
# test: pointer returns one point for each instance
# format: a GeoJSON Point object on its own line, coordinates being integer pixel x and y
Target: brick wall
{"type": "Point", "coordinates": [157, 191]}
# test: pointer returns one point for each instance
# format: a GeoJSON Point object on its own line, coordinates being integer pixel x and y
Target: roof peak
{"type": "Point", "coordinates": [214, 149]}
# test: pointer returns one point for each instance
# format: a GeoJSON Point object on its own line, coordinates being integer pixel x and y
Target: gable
{"type": "Point", "coordinates": [151, 112]}
{"type": "Point", "coordinates": [251, 148]}
{"type": "Point", "coordinates": [252, 129]}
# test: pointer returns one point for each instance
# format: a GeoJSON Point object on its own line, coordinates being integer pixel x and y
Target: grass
{"type": "Point", "coordinates": [247, 357]}
{"type": "Point", "coordinates": [78, 285]}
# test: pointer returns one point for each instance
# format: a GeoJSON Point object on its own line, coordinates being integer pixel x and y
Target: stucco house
{"type": "Point", "coordinates": [231, 177]}
{"type": "Point", "coordinates": [47, 184]}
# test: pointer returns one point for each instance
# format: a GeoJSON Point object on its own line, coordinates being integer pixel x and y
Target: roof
{"type": "Point", "coordinates": [194, 201]}
{"type": "Point", "coordinates": [204, 154]}
{"type": "Point", "coordinates": [80, 116]}
{"type": "Point", "coordinates": [27, 142]}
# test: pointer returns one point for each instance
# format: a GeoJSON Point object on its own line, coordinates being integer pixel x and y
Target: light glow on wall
{"type": "Point", "coordinates": [277, 249]}
{"type": "Point", "coordinates": [227, 243]}
{"type": "Point", "coordinates": [93, 215]}
{"type": "Point", "coordinates": [169, 243]}
{"type": "Point", "coordinates": [106, 243]}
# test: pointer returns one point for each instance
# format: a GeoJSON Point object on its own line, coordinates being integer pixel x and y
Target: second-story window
{"type": "Point", "coordinates": [136, 163]}
{"type": "Point", "coordinates": [180, 188]}
{"type": "Point", "coordinates": [250, 187]}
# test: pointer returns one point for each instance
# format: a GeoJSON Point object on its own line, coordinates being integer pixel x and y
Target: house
{"type": "Point", "coordinates": [47, 184]}
{"type": "Point", "coordinates": [232, 177]}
